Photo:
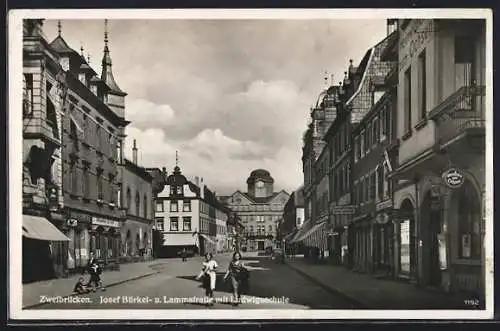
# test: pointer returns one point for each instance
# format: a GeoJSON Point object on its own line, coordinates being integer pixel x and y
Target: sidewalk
{"type": "Point", "coordinates": [64, 286]}
{"type": "Point", "coordinates": [371, 293]}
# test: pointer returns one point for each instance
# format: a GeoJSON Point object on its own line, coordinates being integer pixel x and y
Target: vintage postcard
{"type": "Point", "coordinates": [250, 164]}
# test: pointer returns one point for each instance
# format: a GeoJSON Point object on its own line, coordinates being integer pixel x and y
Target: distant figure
{"type": "Point", "coordinates": [239, 277]}
{"type": "Point", "coordinates": [184, 255]}
{"type": "Point", "coordinates": [209, 277]}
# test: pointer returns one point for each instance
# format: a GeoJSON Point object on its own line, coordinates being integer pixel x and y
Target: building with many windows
{"type": "Point", "coordinates": [44, 98]}
{"type": "Point", "coordinates": [293, 219]}
{"type": "Point", "coordinates": [260, 209]}
{"type": "Point", "coordinates": [136, 195]}
{"type": "Point", "coordinates": [190, 217]}
{"type": "Point", "coordinates": [440, 178]}
{"type": "Point", "coordinates": [93, 131]}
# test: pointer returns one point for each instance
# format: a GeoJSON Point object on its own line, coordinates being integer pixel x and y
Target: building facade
{"type": "Point", "coordinates": [439, 196]}
{"type": "Point", "coordinates": [93, 131]}
{"type": "Point", "coordinates": [136, 193]}
{"type": "Point", "coordinates": [259, 209]}
{"type": "Point", "coordinates": [73, 104]}
{"type": "Point", "coordinates": [293, 219]}
{"type": "Point", "coordinates": [190, 217]}
{"type": "Point", "coordinates": [44, 100]}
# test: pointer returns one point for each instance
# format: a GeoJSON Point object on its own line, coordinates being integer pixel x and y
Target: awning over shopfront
{"type": "Point", "coordinates": [311, 231]}
{"type": "Point", "coordinates": [36, 227]}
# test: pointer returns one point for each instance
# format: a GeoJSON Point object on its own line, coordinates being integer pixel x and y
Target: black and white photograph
{"type": "Point", "coordinates": [263, 164]}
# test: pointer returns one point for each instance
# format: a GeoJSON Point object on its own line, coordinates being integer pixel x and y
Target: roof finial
{"type": "Point", "coordinates": [88, 58]}
{"type": "Point", "coordinates": [326, 78]}
{"type": "Point", "coordinates": [81, 52]}
{"type": "Point", "coordinates": [176, 158]}
{"type": "Point", "coordinates": [106, 33]}
{"type": "Point", "coordinates": [59, 28]}
{"type": "Point", "coordinates": [331, 79]}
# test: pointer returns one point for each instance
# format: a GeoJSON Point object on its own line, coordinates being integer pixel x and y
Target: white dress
{"type": "Point", "coordinates": [209, 268]}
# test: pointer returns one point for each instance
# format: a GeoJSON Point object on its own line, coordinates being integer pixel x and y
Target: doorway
{"type": "Point", "coordinates": [433, 224]}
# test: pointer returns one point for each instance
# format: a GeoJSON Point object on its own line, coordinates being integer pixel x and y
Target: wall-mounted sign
{"type": "Point", "coordinates": [453, 178]}
{"type": "Point", "coordinates": [105, 222]}
{"type": "Point", "coordinates": [382, 218]}
{"type": "Point", "coordinates": [344, 210]}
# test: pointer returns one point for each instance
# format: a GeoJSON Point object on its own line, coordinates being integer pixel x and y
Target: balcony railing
{"type": "Point", "coordinates": [459, 113]}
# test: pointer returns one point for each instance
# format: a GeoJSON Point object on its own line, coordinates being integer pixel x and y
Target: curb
{"type": "Point", "coordinates": [358, 304]}
{"type": "Point", "coordinates": [109, 285]}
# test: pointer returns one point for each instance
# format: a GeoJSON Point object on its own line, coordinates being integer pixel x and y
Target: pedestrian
{"type": "Point", "coordinates": [81, 287]}
{"type": "Point", "coordinates": [239, 277]}
{"type": "Point", "coordinates": [184, 255]}
{"type": "Point", "coordinates": [95, 272]}
{"type": "Point", "coordinates": [208, 276]}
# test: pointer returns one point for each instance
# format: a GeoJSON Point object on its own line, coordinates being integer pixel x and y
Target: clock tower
{"type": "Point", "coordinates": [260, 184]}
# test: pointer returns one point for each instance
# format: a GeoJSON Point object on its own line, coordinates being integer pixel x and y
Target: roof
{"type": "Point", "coordinates": [138, 170]}
{"type": "Point", "coordinates": [107, 74]}
{"type": "Point", "coordinates": [60, 46]}
{"type": "Point", "coordinates": [262, 174]}
{"type": "Point", "coordinates": [177, 178]}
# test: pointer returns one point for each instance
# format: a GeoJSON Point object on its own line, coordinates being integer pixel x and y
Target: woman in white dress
{"type": "Point", "coordinates": [209, 276]}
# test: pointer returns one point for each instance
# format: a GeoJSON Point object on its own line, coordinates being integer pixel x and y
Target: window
{"type": "Point", "coordinates": [464, 61]}
{"type": "Point", "coordinates": [376, 133]}
{"type": "Point", "coordinates": [100, 193]}
{"type": "Point", "coordinates": [73, 178]}
{"type": "Point", "coordinates": [469, 211]}
{"type": "Point", "coordinates": [145, 201]}
{"type": "Point", "coordinates": [28, 94]}
{"type": "Point", "coordinates": [372, 186]}
{"type": "Point", "coordinates": [186, 205]}
{"type": "Point", "coordinates": [356, 148]}
{"type": "Point", "coordinates": [366, 188]}
{"type": "Point", "coordinates": [172, 190]}
{"type": "Point", "coordinates": [270, 228]}
{"type": "Point", "coordinates": [368, 137]}
{"type": "Point", "coordinates": [112, 197]}
{"type": "Point", "coordinates": [129, 200]}
{"type": "Point", "coordinates": [186, 224]}
{"type": "Point", "coordinates": [174, 206]}
{"type": "Point", "coordinates": [407, 101]}
{"type": "Point", "coordinates": [380, 182]}
{"type": "Point", "coordinates": [174, 223]}
{"type": "Point", "coordinates": [376, 95]}
{"type": "Point", "coordinates": [382, 123]}
{"type": "Point", "coordinates": [137, 204]}
{"type": "Point", "coordinates": [159, 223]}
{"type": "Point", "coordinates": [179, 190]}
{"type": "Point", "coordinates": [159, 206]}
{"type": "Point", "coordinates": [422, 86]}
{"type": "Point", "coordinates": [362, 144]}
{"type": "Point", "coordinates": [98, 137]}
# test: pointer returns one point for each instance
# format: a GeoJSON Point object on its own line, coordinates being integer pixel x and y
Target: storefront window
{"type": "Point", "coordinates": [469, 223]}
{"type": "Point", "coordinates": [405, 246]}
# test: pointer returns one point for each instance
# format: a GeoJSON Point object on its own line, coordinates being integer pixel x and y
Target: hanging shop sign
{"type": "Point", "coordinates": [71, 222]}
{"type": "Point", "coordinates": [453, 178]}
{"type": "Point", "coordinates": [382, 218]}
{"type": "Point", "coordinates": [105, 222]}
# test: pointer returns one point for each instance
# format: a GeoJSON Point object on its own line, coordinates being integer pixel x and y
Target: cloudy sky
{"type": "Point", "coordinates": [230, 95]}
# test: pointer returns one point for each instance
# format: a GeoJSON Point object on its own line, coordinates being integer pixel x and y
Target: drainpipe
{"type": "Point", "coordinates": [417, 232]}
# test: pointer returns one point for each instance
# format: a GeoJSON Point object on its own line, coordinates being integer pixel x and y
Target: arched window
{"type": "Point", "coordinates": [145, 206]}
{"type": "Point", "coordinates": [129, 200]}
{"type": "Point", "coordinates": [137, 204]}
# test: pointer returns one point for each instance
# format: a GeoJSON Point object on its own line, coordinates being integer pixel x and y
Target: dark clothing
{"type": "Point", "coordinates": [239, 277]}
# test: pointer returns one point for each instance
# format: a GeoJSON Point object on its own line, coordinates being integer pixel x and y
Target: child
{"type": "Point", "coordinates": [95, 276]}
{"type": "Point", "coordinates": [208, 273]}
{"type": "Point", "coordinates": [80, 287]}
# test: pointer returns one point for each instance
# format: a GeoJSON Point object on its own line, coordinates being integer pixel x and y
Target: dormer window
{"type": "Point", "coordinates": [93, 88]}
{"type": "Point", "coordinates": [81, 78]}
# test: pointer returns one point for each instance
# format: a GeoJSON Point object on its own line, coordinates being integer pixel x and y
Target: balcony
{"type": "Point", "coordinates": [460, 119]}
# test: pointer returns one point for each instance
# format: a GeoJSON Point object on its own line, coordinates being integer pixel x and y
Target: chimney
{"type": "Point", "coordinates": [134, 152]}
{"type": "Point", "coordinates": [197, 181]}
{"type": "Point", "coordinates": [202, 189]}
{"type": "Point", "coordinates": [164, 173]}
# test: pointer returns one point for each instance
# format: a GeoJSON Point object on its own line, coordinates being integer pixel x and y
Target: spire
{"type": "Point", "coordinates": [326, 78]}
{"type": "Point", "coordinates": [59, 28]}
{"type": "Point", "coordinates": [107, 73]}
{"type": "Point", "coordinates": [88, 58]}
{"type": "Point", "coordinates": [176, 158]}
{"type": "Point", "coordinates": [81, 52]}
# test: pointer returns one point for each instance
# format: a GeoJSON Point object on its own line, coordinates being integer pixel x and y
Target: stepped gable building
{"type": "Point", "coordinates": [260, 209]}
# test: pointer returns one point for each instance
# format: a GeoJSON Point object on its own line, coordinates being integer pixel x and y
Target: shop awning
{"type": "Point", "coordinates": [311, 231]}
{"type": "Point", "coordinates": [207, 238]}
{"type": "Point", "coordinates": [36, 227]}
